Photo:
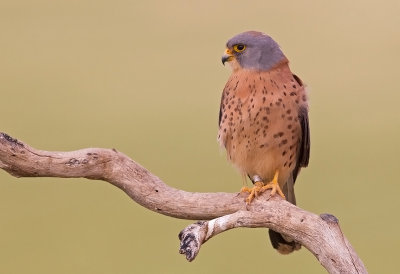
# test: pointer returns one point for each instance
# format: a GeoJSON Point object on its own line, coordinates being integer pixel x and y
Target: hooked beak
{"type": "Point", "coordinates": [227, 57]}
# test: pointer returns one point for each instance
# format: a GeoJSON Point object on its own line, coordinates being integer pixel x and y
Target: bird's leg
{"type": "Point", "coordinates": [259, 188]}
{"type": "Point", "coordinates": [256, 180]}
{"type": "Point", "coordinates": [274, 186]}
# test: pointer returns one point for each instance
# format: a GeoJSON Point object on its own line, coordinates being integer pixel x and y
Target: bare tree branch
{"type": "Point", "coordinates": [320, 234]}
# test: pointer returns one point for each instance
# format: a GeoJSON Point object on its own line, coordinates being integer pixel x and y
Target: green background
{"type": "Point", "coordinates": [145, 77]}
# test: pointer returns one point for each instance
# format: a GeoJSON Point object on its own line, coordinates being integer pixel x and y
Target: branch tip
{"type": "Point", "coordinates": [10, 139]}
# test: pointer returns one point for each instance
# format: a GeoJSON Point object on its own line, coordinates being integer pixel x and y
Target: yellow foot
{"type": "Point", "coordinates": [254, 191]}
{"type": "Point", "coordinates": [259, 188]}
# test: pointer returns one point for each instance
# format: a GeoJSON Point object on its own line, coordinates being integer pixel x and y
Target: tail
{"type": "Point", "coordinates": [282, 243]}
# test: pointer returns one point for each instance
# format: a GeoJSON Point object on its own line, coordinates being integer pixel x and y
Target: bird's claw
{"type": "Point", "coordinates": [259, 188]}
{"type": "Point", "coordinates": [256, 190]}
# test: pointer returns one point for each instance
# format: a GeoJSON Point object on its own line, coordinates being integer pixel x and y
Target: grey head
{"type": "Point", "coordinates": [253, 50]}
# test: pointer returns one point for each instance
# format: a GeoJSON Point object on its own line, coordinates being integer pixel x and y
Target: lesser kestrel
{"type": "Point", "coordinates": [263, 120]}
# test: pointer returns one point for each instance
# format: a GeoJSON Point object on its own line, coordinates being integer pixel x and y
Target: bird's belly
{"type": "Point", "coordinates": [263, 144]}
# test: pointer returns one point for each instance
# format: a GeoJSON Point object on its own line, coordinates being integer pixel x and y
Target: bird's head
{"type": "Point", "coordinates": [252, 50]}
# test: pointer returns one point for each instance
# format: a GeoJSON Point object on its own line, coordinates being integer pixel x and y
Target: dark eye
{"type": "Point", "coordinates": [239, 47]}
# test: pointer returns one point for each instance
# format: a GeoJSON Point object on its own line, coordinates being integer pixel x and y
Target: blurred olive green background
{"type": "Point", "coordinates": [145, 77]}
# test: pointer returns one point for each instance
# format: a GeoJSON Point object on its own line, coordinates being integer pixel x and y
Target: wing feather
{"type": "Point", "coordinates": [304, 150]}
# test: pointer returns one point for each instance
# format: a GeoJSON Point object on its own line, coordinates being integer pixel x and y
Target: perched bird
{"type": "Point", "coordinates": [263, 120]}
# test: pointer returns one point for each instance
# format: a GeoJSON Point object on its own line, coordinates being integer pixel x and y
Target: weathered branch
{"type": "Point", "coordinates": [320, 234]}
